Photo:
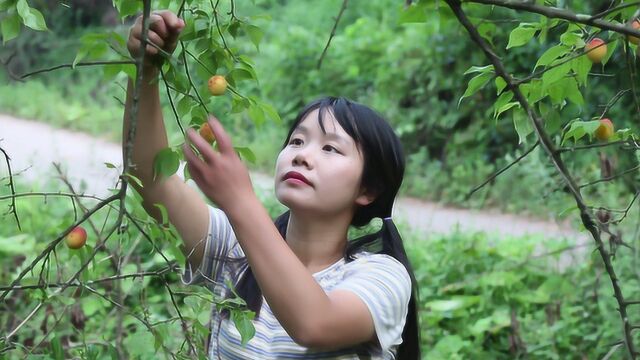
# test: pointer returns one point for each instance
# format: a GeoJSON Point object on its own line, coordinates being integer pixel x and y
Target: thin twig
{"type": "Point", "coordinates": [593, 146]}
{"type": "Point", "coordinates": [333, 32]}
{"type": "Point", "coordinates": [173, 107]}
{"type": "Point", "coordinates": [614, 9]}
{"type": "Point", "coordinates": [557, 13]}
{"type": "Point", "coordinates": [612, 177]}
{"type": "Point", "coordinates": [626, 211]}
{"type": "Point", "coordinates": [186, 68]}
{"type": "Point", "coordinates": [12, 206]}
{"type": "Point", "coordinates": [89, 63]}
{"type": "Point", "coordinates": [497, 173]}
{"type": "Point", "coordinates": [613, 101]}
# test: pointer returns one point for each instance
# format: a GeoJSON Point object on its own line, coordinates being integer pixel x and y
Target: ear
{"type": "Point", "coordinates": [366, 197]}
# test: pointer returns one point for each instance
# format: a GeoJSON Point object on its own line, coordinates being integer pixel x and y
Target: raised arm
{"type": "Point", "coordinates": [186, 209]}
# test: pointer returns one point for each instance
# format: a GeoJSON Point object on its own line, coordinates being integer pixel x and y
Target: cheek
{"type": "Point", "coordinates": [280, 160]}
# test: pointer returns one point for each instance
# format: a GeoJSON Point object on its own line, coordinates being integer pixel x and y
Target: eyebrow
{"type": "Point", "coordinates": [333, 136]}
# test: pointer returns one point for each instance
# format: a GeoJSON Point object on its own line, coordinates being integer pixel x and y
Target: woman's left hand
{"type": "Point", "coordinates": [220, 175]}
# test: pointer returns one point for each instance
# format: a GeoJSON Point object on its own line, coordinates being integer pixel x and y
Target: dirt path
{"type": "Point", "coordinates": [33, 147]}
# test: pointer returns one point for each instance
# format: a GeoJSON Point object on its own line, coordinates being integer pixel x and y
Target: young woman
{"type": "Point", "coordinates": [316, 294]}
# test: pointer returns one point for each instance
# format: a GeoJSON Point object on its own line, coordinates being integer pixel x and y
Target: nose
{"type": "Point", "coordinates": [302, 158]}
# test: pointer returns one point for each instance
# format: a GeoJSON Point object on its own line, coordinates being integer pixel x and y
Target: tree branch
{"type": "Point", "coordinates": [547, 144]}
{"type": "Point", "coordinates": [556, 13]}
{"type": "Point", "coordinates": [12, 206]}
{"type": "Point", "coordinates": [333, 32]}
{"type": "Point", "coordinates": [496, 174]}
{"type": "Point", "coordinates": [89, 63]}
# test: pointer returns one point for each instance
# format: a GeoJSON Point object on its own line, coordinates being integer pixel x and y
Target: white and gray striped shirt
{"type": "Point", "coordinates": [379, 280]}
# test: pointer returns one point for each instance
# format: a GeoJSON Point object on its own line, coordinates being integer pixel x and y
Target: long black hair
{"type": "Point", "coordinates": [383, 172]}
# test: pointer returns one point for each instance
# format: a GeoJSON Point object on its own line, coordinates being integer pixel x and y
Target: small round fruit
{"type": "Point", "coordinates": [217, 85]}
{"type": "Point", "coordinates": [599, 50]}
{"type": "Point", "coordinates": [636, 26]}
{"type": "Point", "coordinates": [605, 131]}
{"type": "Point", "coordinates": [76, 238]}
{"type": "Point", "coordinates": [207, 133]}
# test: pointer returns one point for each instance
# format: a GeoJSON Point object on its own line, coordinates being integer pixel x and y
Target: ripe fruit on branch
{"type": "Point", "coordinates": [596, 50]}
{"type": "Point", "coordinates": [636, 26]}
{"type": "Point", "coordinates": [217, 85]}
{"type": "Point", "coordinates": [76, 238]}
{"type": "Point", "coordinates": [206, 133]}
{"type": "Point", "coordinates": [605, 130]}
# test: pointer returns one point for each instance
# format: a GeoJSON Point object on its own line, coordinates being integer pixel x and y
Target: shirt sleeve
{"type": "Point", "coordinates": [384, 285]}
{"type": "Point", "coordinates": [221, 252]}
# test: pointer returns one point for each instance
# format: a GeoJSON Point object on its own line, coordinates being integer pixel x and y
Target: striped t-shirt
{"type": "Point", "coordinates": [379, 280]}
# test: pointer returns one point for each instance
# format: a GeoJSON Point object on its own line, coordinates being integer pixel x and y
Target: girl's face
{"type": "Point", "coordinates": [320, 172]}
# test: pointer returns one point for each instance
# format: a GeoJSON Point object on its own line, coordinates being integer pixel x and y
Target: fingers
{"type": "Point", "coordinates": [208, 155]}
{"type": "Point", "coordinates": [157, 24]}
{"type": "Point", "coordinates": [225, 145]}
{"type": "Point", "coordinates": [172, 21]}
{"type": "Point", "coordinates": [193, 161]}
{"type": "Point", "coordinates": [164, 29]}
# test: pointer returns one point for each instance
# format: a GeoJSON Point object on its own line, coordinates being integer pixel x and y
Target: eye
{"type": "Point", "coordinates": [295, 141]}
{"type": "Point", "coordinates": [330, 149]}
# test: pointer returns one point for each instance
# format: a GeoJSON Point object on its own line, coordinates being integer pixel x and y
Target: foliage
{"type": "Point", "coordinates": [468, 286]}
{"type": "Point", "coordinates": [527, 84]}
{"type": "Point", "coordinates": [485, 297]}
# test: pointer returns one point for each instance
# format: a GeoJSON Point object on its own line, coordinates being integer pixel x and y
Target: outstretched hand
{"type": "Point", "coordinates": [220, 175]}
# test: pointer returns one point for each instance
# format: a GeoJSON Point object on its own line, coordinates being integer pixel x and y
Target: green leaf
{"type": "Point", "coordinates": [611, 48]}
{"type": "Point", "coordinates": [255, 34]}
{"type": "Point", "coordinates": [31, 17]}
{"type": "Point", "coordinates": [521, 35]}
{"type": "Point", "coordinates": [185, 104]}
{"type": "Point", "coordinates": [414, 13]}
{"type": "Point", "coordinates": [247, 154]}
{"type": "Point", "coordinates": [242, 321]}
{"type": "Point", "coordinates": [271, 112]}
{"type": "Point", "coordinates": [498, 320]}
{"type": "Point", "coordinates": [500, 84]}
{"type": "Point", "coordinates": [572, 38]}
{"type": "Point", "coordinates": [579, 129]}
{"type": "Point", "coordinates": [93, 46]}
{"type": "Point", "coordinates": [551, 54]}
{"type": "Point", "coordinates": [56, 348]}
{"type": "Point", "coordinates": [533, 91]}
{"type": "Point", "coordinates": [506, 107]}
{"type": "Point", "coordinates": [581, 67]}
{"type": "Point", "coordinates": [10, 26]}
{"type": "Point", "coordinates": [164, 215]}
{"type": "Point", "coordinates": [453, 304]}
{"type": "Point", "coordinates": [551, 117]}
{"type": "Point", "coordinates": [500, 103]}
{"type": "Point", "coordinates": [140, 344]}
{"type": "Point", "coordinates": [487, 30]}
{"type": "Point", "coordinates": [165, 163]}
{"type": "Point", "coordinates": [572, 92]}
{"type": "Point", "coordinates": [256, 114]}
{"type": "Point", "coordinates": [127, 7]}
{"type": "Point", "coordinates": [476, 84]}
{"type": "Point", "coordinates": [555, 74]}
{"type": "Point", "coordinates": [480, 69]}
{"type": "Point", "coordinates": [239, 74]}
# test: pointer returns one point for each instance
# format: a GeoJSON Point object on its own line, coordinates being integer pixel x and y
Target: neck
{"type": "Point", "coordinates": [318, 242]}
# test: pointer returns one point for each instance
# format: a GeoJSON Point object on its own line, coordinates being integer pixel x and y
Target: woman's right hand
{"type": "Point", "coordinates": [164, 29]}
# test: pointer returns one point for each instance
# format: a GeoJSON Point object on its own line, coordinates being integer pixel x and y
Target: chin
{"type": "Point", "coordinates": [293, 202]}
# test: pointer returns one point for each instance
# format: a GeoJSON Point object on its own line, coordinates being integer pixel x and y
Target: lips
{"type": "Point", "coordinates": [296, 175]}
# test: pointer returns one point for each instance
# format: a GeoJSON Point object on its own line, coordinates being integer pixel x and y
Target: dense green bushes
{"type": "Point", "coordinates": [481, 297]}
